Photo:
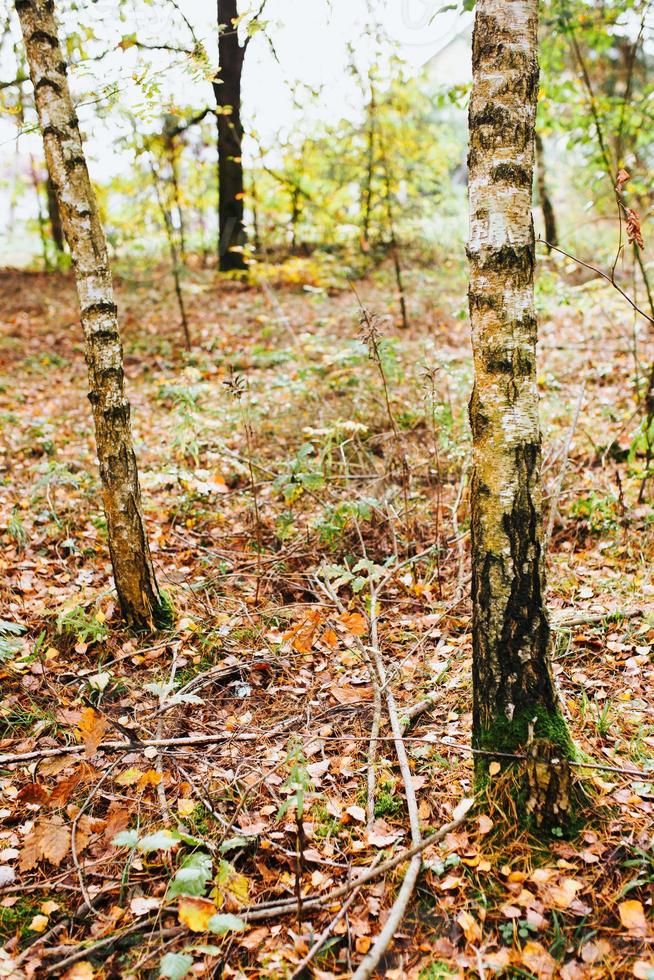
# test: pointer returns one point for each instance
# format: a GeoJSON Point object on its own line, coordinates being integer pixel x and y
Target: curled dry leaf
{"type": "Point", "coordinates": [634, 232]}
{"type": "Point", "coordinates": [623, 177]}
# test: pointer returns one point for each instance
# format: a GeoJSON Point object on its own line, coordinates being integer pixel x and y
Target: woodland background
{"type": "Point", "coordinates": [301, 428]}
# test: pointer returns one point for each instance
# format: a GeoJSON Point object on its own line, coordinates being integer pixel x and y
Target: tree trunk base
{"type": "Point", "coordinates": [550, 799]}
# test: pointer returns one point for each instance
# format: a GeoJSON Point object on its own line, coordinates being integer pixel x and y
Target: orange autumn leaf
{"type": "Point", "coordinates": [329, 638]}
{"type": "Point", "coordinates": [303, 633]}
{"type": "Point", "coordinates": [632, 916]}
{"type": "Point", "coordinates": [149, 778]}
{"type": "Point", "coordinates": [354, 623]}
{"type": "Point", "coordinates": [91, 728]}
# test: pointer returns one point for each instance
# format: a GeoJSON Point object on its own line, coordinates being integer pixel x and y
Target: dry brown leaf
{"type": "Point", "coordinates": [29, 855]}
{"type": "Point", "coordinates": [254, 939]}
{"type": "Point", "coordinates": [117, 820]}
{"type": "Point", "coordinates": [91, 727]}
{"type": "Point", "coordinates": [87, 826]}
{"type": "Point", "coordinates": [53, 839]}
{"type": "Point", "coordinates": [33, 793]}
{"type": "Point", "coordinates": [623, 177]}
{"type": "Point", "coordinates": [634, 232]}
{"type": "Point", "coordinates": [470, 926]}
{"type": "Point", "coordinates": [61, 794]}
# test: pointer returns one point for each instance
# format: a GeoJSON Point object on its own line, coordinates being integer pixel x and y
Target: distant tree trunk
{"type": "Point", "coordinates": [227, 90]}
{"type": "Point", "coordinates": [254, 198]}
{"type": "Point", "coordinates": [515, 703]}
{"type": "Point", "coordinates": [140, 600]}
{"type": "Point", "coordinates": [370, 167]}
{"type": "Point", "coordinates": [40, 216]}
{"type": "Point", "coordinates": [56, 228]}
{"type": "Point", "coordinates": [546, 206]}
{"type": "Point", "coordinates": [393, 242]}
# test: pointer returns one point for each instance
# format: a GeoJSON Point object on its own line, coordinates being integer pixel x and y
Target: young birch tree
{"type": "Point", "coordinates": [515, 703]}
{"type": "Point", "coordinates": [139, 596]}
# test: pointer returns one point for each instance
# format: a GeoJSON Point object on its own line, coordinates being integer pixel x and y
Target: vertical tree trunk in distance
{"type": "Point", "coordinates": [227, 90]}
{"type": "Point", "coordinates": [546, 206]}
{"type": "Point", "coordinates": [140, 601]}
{"type": "Point", "coordinates": [515, 703]}
{"type": "Point", "coordinates": [54, 215]}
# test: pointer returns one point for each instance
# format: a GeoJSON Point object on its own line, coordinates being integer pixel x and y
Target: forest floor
{"type": "Point", "coordinates": [286, 477]}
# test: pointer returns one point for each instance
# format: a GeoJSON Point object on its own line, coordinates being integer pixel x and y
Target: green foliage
{"type": "Point", "coordinates": [298, 782]}
{"type": "Point", "coordinates": [192, 876]}
{"type": "Point", "coordinates": [337, 518]}
{"type": "Point", "coordinates": [10, 644]}
{"type": "Point", "coordinates": [84, 626]}
{"type": "Point", "coordinates": [599, 513]}
{"type": "Point", "coordinates": [300, 475]}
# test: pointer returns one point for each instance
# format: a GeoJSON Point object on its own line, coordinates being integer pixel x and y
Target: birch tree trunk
{"type": "Point", "coordinates": [515, 704]}
{"type": "Point", "coordinates": [139, 596]}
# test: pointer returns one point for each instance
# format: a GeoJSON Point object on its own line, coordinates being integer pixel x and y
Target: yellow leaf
{"type": "Point", "coordinates": [195, 913]}
{"type": "Point", "coordinates": [129, 778]}
{"type": "Point", "coordinates": [80, 971]}
{"type": "Point", "coordinates": [48, 907]}
{"type": "Point", "coordinates": [632, 916]}
{"type": "Point", "coordinates": [38, 923]}
{"type": "Point", "coordinates": [185, 807]}
{"type": "Point", "coordinates": [494, 768]}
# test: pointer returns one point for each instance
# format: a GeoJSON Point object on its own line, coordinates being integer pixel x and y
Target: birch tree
{"type": "Point", "coordinates": [140, 600]}
{"type": "Point", "coordinates": [515, 703]}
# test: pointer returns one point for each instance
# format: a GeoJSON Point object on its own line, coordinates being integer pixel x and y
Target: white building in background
{"type": "Point", "coordinates": [452, 65]}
